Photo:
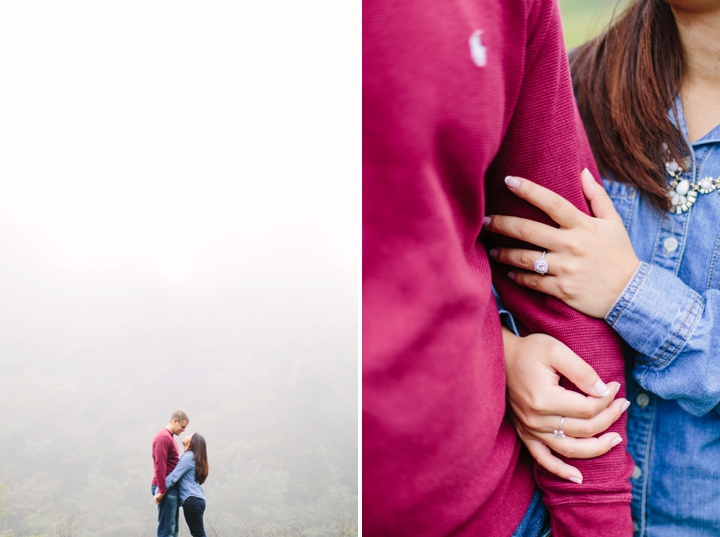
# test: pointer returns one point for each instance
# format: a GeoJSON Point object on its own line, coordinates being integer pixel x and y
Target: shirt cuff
{"type": "Point", "coordinates": [606, 519]}
{"type": "Point", "coordinates": [656, 313]}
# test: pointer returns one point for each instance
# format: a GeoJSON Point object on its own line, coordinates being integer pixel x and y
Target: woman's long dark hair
{"type": "Point", "coordinates": [199, 449]}
{"type": "Point", "coordinates": [625, 80]}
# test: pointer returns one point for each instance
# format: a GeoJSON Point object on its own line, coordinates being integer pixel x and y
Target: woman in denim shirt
{"type": "Point", "coordinates": [648, 90]}
{"type": "Point", "coordinates": [191, 472]}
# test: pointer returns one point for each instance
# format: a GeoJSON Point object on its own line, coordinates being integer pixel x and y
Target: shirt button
{"type": "Point", "coordinates": [643, 400]}
{"type": "Point", "coordinates": [637, 472]}
{"type": "Point", "coordinates": [671, 244]}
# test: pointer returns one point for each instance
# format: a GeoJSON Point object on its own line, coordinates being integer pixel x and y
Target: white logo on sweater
{"type": "Point", "coordinates": [477, 50]}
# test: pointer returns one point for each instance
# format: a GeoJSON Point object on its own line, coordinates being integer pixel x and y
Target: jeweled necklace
{"type": "Point", "coordinates": [683, 194]}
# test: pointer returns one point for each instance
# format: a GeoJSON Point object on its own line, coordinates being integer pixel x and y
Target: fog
{"type": "Point", "coordinates": [178, 230]}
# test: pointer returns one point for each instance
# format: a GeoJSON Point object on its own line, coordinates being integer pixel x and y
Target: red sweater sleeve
{"type": "Point", "coordinates": [161, 448]}
{"type": "Point", "coordinates": [545, 142]}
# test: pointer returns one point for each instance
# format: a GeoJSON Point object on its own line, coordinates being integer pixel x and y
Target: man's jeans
{"type": "Point", "coordinates": [168, 512]}
{"type": "Point", "coordinates": [536, 522]}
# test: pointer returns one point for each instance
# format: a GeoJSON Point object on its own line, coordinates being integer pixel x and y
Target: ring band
{"type": "Point", "coordinates": [559, 432]}
{"type": "Point", "coordinates": [541, 265]}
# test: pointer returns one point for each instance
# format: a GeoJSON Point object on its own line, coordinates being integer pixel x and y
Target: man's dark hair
{"type": "Point", "coordinates": [180, 416]}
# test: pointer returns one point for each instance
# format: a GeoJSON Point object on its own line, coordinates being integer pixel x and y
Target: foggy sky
{"type": "Point", "coordinates": [178, 226]}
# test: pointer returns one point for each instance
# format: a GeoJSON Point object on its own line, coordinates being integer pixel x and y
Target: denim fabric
{"type": "Point", "coordinates": [184, 476]}
{"type": "Point", "coordinates": [669, 314]}
{"type": "Point", "coordinates": [506, 318]}
{"type": "Point", "coordinates": [168, 512]}
{"type": "Point", "coordinates": [536, 522]}
{"type": "Point", "coordinates": [193, 509]}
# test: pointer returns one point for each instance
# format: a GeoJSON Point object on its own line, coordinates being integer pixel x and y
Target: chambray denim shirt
{"type": "Point", "coordinates": [184, 475]}
{"type": "Point", "coordinates": [669, 314]}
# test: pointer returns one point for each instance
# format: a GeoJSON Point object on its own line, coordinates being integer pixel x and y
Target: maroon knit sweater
{"type": "Point", "coordinates": [440, 133]}
{"type": "Point", "coordinates": [165, 457]}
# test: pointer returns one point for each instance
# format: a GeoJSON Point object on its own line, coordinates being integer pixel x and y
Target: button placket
{"type": "Point", "coordinates": [671, 244]}
{"type": "Point", "coordinates": [641, 417]}
{"type": "Point", "coordinates": [671, 235]}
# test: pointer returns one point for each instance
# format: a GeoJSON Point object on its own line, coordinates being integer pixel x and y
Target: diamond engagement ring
{"type": "Point", "coordinates": [559, 432]}
{"type": "Point", "coordinates": [541, 266]}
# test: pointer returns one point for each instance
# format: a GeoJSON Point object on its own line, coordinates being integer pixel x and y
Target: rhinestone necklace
{"type": "Point", "coordinates": [683, 194]}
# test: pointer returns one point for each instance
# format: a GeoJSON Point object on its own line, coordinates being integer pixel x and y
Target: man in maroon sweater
{"type": "Point", "coordinates": [165, 457]}
{"type": "Point", "coordinates": [458, 94]}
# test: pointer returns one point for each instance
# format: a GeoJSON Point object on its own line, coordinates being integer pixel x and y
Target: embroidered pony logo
{"type": "Point", "coordinates": [477, 50]}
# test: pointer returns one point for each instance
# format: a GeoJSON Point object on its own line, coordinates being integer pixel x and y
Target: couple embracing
{"type": "Point", "coordinates": [177, 479]}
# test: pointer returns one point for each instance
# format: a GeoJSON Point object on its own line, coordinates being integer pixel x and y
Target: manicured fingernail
{"type": "Point", "coordinates": [512, 182]}
{"type": "Point", "coordinates": [511, 275]}
{"type": "Point", "coordinates": [615, 442]}
{"type": "Point", "coordinates": [617, 388]}
{"type": "Point", "coordinates": [601, 388]}
{"type": "Point", "coordinates": [486, 221]}
{"type": "Point", "coordinates": [625, 406]}
{"type": "Point", "coordinates": [588, 176]}
{"type": "Point", "coordinates": [575, 480]}
{"type": "Point", "coordinates": [494, 253]}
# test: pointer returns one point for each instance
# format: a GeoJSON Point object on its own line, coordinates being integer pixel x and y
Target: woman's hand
{"type": "Point", "coordinates": [590, 260]}
{"type": "Point", "coordinates": [534, 365]}
{"type": "Point", "coordinates": [158, 497]}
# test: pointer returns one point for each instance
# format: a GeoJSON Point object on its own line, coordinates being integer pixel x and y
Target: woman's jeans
{"type": "Point", "coordinates": [193, 509]}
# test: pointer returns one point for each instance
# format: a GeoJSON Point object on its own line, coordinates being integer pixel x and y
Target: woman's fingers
{"type": "Point", "coordinates": [580, 428]}
{"type": "Point", "coordinates": [539, 447]}
{"type": "Point", "coordinates": [525, 259]}
{"type": "Point", "coordinates": [524, 230]}
{"type": "Point", "coordinates": [600, 203]}
{"type": "Point", "coordinates": [545, 283]}
{"type": "Point", "coordinates": [555, 206]}
{"type": "Point", "coordinates": [584, 428]}
{"type": "Point", "coordinates": [562, 402]}
{"type": "Point", "coordinates": [544, 457]}
{"type": "Point", "coordinates": [582, 448]}
{"type": "Point", "coordinates": [580, 373]}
